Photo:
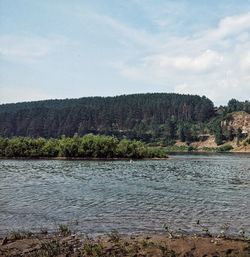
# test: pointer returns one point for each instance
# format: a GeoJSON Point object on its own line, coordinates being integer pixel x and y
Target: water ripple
{"type": "Point", "coordinates": [128, 197]}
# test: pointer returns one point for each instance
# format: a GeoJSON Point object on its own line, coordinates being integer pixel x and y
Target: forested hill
{"type": "Point", "coordinates": [143, 116]}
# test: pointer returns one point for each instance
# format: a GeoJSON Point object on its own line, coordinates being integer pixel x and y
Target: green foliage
{"type": "Point", "coordinates": [92, 249]}
{"type": "Point", "coordinates": [146, 117]}
{"type": "Point", "coordinates": [131, 149]}
{"type": "Point", "coordinates": [50, 148]}
{"type": "Point", "coordinates": [49, 249]}
{"type": "Point", "coordinates": [224, 148]}
{"type": "Point", "coordinates": [21, 147]}
{"type": "Point", "coordinates": [20, 234]}
{"type": "Point", "coordinates": [64, 230]}
{"type": "Point", "coordinates": [89, 146]}
{"type": "Point", "coordinates": [235, 105]}
{"type": "Point", "coordinates": [157, 117]}
{"type": "Point", "coordinates": [191, 148]}
{"type": "Point", "coordinates": [209, 149]}
{"type": "Point", "coordinates": [156, 152]}
{"type": "Point", "coordinates": [174, 148]}
{"type": "Point", "coordinates": [218, 136]}
{"type": "Point", "coordinates": [182, 134]}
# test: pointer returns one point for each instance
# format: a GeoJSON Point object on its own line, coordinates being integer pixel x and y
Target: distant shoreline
{"type": "Point", "coordinates": [81, 158]}
{"type": "Point", "coordinates": [208, 152]}
{"type": "Point", "coordinates": [122, 159]}
{"type": "Point", "coordinates": [168, 157]}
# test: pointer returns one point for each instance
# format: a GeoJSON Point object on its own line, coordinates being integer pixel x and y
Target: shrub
{"type": "Point", "coordinates": [224, 148]}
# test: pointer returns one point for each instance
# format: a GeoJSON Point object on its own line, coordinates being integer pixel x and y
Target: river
{"type": "Point", "coordinates": [129, 197]}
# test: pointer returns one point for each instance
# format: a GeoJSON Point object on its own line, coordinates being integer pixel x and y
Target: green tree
{"type": "Point", "coordinates": [218, 136]}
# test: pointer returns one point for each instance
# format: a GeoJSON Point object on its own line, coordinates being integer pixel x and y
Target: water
{"type": "Point", "coordinates": [129, 197]}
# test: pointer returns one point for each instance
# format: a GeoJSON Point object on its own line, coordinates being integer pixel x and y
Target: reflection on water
{"type": "Point", "coordinates": [130, 197]}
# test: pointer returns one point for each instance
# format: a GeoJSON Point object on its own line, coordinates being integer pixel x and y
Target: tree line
{"type": "Point", "coordinates": [158, 118]}
{"type": "Point", "coordinates": [148, 117]}
{"type": "Point", "coordinates": [88, 146]}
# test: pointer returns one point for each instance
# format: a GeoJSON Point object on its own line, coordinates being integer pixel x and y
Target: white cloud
{"type": "Point", "coordinates": [245, 61]}
{"type": "Point", "coordinates": [215, 63]}
{"type": "Point", "coordinates": [230, 26]}
{"type": "Point", "coordinates": [200, 63]}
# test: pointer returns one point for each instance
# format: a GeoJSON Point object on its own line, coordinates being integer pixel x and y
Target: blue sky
{"type": "Point", "coordinates": [67, 49]}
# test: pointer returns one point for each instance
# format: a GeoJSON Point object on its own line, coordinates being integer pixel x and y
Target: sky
{"type": "Point", "coordinates": [53, 49]}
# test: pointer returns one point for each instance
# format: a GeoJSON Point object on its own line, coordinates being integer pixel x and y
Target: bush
{"type": "Point", "coordinates": [88, 146]}
{"type": "Point", "coordinates": [225, 148]}
{"type": "Point", "coordinates": [191, 148]}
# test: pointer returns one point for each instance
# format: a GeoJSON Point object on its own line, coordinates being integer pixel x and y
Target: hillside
{"type": "Point", "coordinates": [148, 117]}
{"type": "Point", "coordinates": [235, 131]}
{"type": "Point", "coordinates": [156, 118]}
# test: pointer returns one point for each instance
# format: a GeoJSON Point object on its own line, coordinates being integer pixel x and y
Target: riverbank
{"type": "Point", "coordinates": [209, 145]}
{"type": "Point", "coordinates": [226, 148]}
{"type": "Point", "coordinates": [113, 244]}
{"type": "Point", "coordinates": [83, 158]}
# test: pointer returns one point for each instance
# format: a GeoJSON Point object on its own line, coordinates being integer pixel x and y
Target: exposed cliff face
{"type": "Point", "coordinates": [235, 129]}
{"type": "Point", "coordinates": [236, 121]}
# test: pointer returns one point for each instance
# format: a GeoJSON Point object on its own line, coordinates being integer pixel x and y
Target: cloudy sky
{"type": "Point", "coordinates": [68, 49]}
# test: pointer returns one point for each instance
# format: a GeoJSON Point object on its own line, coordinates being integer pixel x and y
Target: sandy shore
{"type": "Point", "coordinates": [117, 245]}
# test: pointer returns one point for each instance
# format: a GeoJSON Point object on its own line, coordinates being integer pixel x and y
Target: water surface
{"type": "Point", "coordinates": [129, 197]}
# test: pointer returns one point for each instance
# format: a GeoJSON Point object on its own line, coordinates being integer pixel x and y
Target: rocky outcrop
{"type": "Point", "coordinates": [237, 121]}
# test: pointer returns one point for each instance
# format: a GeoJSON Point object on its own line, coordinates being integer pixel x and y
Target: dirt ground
{"type": "Point", "coordinates": [116, 245]}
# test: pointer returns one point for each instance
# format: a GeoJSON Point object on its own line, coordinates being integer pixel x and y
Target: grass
{"type": "Point", "coordinates": [185, 148]}
{"type": "Point", "coordinates": [114, 245]}
{"type": "Point", "coordinates": [224, 148]}
{"type": "Point", "coordinates": [20, 234]}
{"type": "Point", "coordinates": [49, 249]}
{"type": "Point", "coordinates": [174, 148]}
{"type": "Point", "coordinates": [64, 230]}
{"type": "Point", "coordinates": [92, 249]}
{"type": "Point", "coordinates": [166, 252]}
{"type": "Point", "coordinates": [114, 236]}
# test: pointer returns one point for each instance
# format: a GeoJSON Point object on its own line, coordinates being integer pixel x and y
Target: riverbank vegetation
{"type": "Point", "coordinates": [190, 148]}
{"type": "Point", "coordinates": [88, 146]}
{"type": "Point", "coordinates": [24, 243]}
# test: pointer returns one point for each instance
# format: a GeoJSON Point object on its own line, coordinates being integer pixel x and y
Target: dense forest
{"type": "Point", "coordinates": [152, 118]}
{"type": "Point", "coordinates": [141, 116]}
{"type": "Point", "coordinates": [88, 146]}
